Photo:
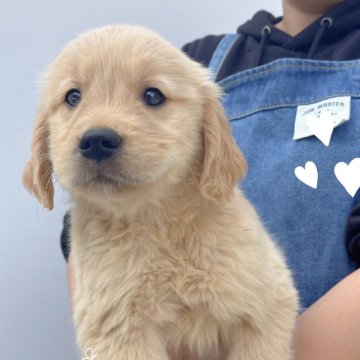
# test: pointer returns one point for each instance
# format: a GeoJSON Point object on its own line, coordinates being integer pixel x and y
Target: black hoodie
{"type": "Point", "coordinates": [334, 36]}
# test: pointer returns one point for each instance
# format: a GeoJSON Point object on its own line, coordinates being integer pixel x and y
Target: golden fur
{"type": "Point", "coordinates": [171, 260]}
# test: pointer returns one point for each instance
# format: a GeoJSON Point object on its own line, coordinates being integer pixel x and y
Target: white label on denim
{"type": "Point", "coordinates": [349, 175]}
{"type": "Point", "coordinates": [308, 174]}
{"type": "Point", "coordinates": [338, 107]}
{"type": "Point", "coordinates": [321, 126]}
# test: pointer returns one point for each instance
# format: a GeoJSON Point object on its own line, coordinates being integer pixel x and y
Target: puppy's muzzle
{"type": "Point", "coordinates": [100, 144]}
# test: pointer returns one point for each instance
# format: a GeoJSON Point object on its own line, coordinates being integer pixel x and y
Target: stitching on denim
{"type": "Point", "coordinates": [237, 78]}
{"type": "Point", "coordinates": [224, 56]}
{"type": "Point", "coordinates": [284, 105]}
{"type": "Point", "coordinates": [220, 54]}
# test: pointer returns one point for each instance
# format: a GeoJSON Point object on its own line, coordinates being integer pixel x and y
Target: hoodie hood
{"type": "Point", "coordinates": [332, 28]}
{"type": "Point", "coordinates": [335, 36]}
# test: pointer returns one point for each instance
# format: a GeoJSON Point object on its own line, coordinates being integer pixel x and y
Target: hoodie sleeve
{"type": "Point", "coordinates": [352, 234]}
{"type": "Point", "coordinates": [65, 236]}
{"type": "Point", "coordinates": [201, 50]}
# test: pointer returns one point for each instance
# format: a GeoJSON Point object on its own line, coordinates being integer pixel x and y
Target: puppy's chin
{"type": "Point", "coordinates": [115, 192]}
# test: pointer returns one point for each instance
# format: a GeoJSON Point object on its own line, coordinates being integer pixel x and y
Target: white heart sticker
{"type": "Point", "coordinates": [349, 175]}
{"type": "Point", "coordinates": [308, 174]}
{"type": "Point", "coordinates": [322, 127]}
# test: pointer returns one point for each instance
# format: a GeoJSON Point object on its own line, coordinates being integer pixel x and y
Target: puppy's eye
{"type": "Point", "coordinates": [73, 97]}
{"type": "Point", "coordinates": [153, 97]}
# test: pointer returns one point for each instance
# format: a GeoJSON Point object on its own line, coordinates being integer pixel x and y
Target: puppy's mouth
{"type": "Point", "coordinates": [118, 180]}
{"type": "Point", "coordinates": [103, 178]}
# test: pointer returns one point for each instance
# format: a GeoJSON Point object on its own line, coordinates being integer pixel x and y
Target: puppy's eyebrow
{"type": "Point", "coordinates": [175, 89]}
{"type": "Point", "coordinates": [163, 83]}
{"type": "Point", "coordinates": [64, 86]}
{"type": "Point", "coordinates": [67, 84]}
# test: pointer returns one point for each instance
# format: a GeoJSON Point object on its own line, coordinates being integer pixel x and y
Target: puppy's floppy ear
{"type": "Point", "coordinates": [224, 164]}
{"type": "Point", "coordinates": [37, 176]}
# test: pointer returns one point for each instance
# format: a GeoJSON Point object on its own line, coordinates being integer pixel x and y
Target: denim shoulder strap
{"type": "Point", "coordinates": [220, 53]}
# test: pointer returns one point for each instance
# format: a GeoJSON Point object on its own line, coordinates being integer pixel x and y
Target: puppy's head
{"type": "Point", "coordinates": [122, 112]}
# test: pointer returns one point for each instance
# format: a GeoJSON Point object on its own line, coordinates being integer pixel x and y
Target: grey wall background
{"type": "Point", "coordinates": [35, 317]}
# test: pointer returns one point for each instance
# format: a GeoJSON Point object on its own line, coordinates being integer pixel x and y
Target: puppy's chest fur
{"type": "Point", "coordinates": [140, 274]}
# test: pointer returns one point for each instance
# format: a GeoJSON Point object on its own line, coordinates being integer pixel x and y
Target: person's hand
{"type": "Point", "coordinates": [329, 329]}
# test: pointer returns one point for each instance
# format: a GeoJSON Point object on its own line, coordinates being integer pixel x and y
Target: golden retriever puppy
{"type": "Point", "coordinates": [171, 260]}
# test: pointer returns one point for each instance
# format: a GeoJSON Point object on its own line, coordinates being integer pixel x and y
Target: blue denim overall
{"type": "Point", "coordinates": [307, 223]}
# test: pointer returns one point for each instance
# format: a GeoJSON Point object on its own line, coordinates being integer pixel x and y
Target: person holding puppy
{"type": "Point", "coordinates": [274, 72]}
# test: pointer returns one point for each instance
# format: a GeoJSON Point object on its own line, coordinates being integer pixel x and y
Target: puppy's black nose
{"type": "Point", "coordinates": [99, 144]}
